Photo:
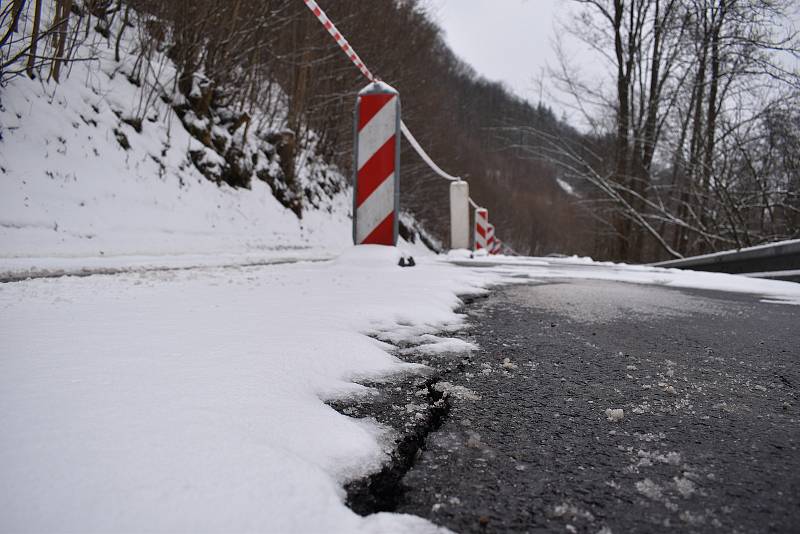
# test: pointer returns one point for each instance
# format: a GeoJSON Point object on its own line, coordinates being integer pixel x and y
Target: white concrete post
{"type": "Point", "coordinates": [459, 214]}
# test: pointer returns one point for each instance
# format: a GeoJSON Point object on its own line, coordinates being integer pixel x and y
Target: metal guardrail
{"type": "Point", "coordinates": [779, 261]}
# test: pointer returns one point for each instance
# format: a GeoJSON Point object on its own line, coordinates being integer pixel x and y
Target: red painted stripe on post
{"type": "Point", "coordinates": [481, 230]}
{"type": "Point", "coordinates": [370, 106]}
{"type": "Point", "coordinates": [379, 167]}
{"type": "Point", "coordinates": [383, 233]}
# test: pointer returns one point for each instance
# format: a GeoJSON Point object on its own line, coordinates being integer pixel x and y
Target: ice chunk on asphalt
{"type": "Point", "coordinates": [508, 364]}
{"type": "Point", "coordinates": [615, 414]}
{"type": "Point", "coordinates": [459, 392]}
{"type": "Point", "coordinates": [649, 489]}
{"type": "Point", "coordinates": [684, 486]}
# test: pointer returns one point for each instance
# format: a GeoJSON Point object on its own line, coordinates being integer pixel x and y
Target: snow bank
{"type": "Point", "coordinates": [69, 189]}
{"type": "Point", "coordinates": [190, 400]}
{"type": "Point", "coordinates": [79, 180]}
{"type": "Point", "coordinates": [94, 181]}
{"type": "Point", "coordinates": [774, 291]}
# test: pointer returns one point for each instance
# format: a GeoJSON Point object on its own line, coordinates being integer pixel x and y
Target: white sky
{"type": "Point", "coordinates": [504, 40]}
{"type": "Point", "coordinates": [512, 41]}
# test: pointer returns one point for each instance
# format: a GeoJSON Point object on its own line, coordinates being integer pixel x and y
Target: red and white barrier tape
{"type": "Point", "coordinates": [424, 155]}
{"type": "Point", "coordinates": [339, 38]}
{"type": "Point", "coordinates": [348, 50]}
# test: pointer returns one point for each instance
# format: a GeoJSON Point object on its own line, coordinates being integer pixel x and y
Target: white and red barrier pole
{"type": "Point", "coordinates": [490, 238]}
{"type": "Point", "coordinates": [339, 38]}
{"type": "Point", "coordinates": [377, 158]}
{"type": "Point", "coordinates": [481, 228]}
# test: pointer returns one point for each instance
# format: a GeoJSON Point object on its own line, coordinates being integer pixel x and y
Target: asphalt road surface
{"type": "Point", "coordinates": [533, 440]}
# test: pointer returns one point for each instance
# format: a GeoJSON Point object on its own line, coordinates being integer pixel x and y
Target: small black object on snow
{"type": "Point", "coordinates": [407, 261]}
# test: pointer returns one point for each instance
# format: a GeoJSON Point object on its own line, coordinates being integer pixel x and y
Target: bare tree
{"type": "Point", "coordinates": [689, 78]}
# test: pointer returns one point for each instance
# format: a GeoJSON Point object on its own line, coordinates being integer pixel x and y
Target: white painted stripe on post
{"type": "Point", "coordinates": [377, 131]}
{"type": "Point", "coordinates": [375, 208]}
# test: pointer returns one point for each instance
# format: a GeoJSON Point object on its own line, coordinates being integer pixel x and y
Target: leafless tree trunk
{"type": "Point", "coordinates": [37, 18]}
{"type": "Point", "coordinates": [62, 25]}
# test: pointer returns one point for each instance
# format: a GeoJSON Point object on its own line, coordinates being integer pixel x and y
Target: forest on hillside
{"type": "Point", "coordinates": [693, 145]}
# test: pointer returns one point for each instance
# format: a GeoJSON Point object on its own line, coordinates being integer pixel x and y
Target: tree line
{"type": "Point", "coordinates": [694, 142]}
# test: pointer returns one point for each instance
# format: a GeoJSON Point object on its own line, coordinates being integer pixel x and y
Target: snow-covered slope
{"type": "Point", "coordinates": [81, 187]}
{"type": "Point", "coordinates": [69, 188]}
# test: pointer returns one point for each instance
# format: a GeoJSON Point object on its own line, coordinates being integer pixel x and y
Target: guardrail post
{"type": "Point", "coordinates": [377, 165]}
{"type": "Point", "coordinates": [459, 214]}
{"type": "Point", "coordinates": [471, 227]}
{"type": "Point", "coordinates": [481, 228]}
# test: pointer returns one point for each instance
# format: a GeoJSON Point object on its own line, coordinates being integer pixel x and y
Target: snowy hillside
{"type": "Point", "coordinates": [89, 179]}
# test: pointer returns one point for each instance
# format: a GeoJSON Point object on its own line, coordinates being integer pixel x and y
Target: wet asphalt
{"type": "Point", "coordinates": [532, 438]}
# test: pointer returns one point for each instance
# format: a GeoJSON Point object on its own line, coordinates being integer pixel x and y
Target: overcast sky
{"type": "Point", "coordinates": [511, 41]}
{"type": "Point", "coordinates": [504, 40]}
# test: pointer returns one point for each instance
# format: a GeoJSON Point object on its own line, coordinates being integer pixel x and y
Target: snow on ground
{"type": "Point", "coordinates": [74, 201]}
{"type": "Point", "coordinates": [69, 189]}
{"type": "Point", "coordinates": [518, 268]}
{"type": "Point", "coordinates": [191, 400]}
{"type": "Point", "coordinates": [70, 194]}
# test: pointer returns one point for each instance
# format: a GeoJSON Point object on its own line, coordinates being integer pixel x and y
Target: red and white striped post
{"type": "Point", "coordinates": [490, 239]}
{"type": "Point", "coordinates": [481, 228]}
{"type": "Point", "coordinates": [377, 158]}
{"type": "Point", "coordinates": [498, 245]}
